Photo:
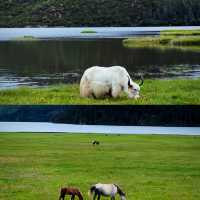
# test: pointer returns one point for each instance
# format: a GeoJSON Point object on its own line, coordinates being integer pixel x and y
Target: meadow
{"type": "Point", "coordinates": [179, 91]}
{"type": "Point", "coordinates": [147, 167]}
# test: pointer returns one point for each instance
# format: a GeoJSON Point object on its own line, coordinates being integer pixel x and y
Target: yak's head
{"type": "Point", "coordinates": [134, 88]}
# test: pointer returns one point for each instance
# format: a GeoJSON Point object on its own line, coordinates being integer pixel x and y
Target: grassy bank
{"type": "Point", "coordinates": [34, 166]}
{"type": "Point", "coordinates": [152, 92]}
{"type": "Point", "coordinates": [167, 39]}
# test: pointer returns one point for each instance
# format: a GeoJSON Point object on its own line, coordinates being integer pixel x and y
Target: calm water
{"type": "Point", "coordinates": [72, 128]}
{"type": "Point", "coordinates": [64, 56]}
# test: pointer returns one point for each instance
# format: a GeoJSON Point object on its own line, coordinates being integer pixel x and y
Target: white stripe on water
{"type": "Point", "coordinates": [106, 129]}
{"type": "Point", "coordinates": [75, 32]}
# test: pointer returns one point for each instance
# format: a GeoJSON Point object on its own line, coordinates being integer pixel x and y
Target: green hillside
{"type": "Point", "coordinates": [21, 13]}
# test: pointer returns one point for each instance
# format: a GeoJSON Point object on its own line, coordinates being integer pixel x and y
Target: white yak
{"type": "Point", "coordinates": [100, 82]}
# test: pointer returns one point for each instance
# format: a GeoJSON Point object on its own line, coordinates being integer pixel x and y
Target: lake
{"type": "Point", "coordinates": [62, 54]}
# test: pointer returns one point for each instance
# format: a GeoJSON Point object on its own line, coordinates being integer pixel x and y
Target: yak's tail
{"type": "Point", "coordinates": [90, 191]}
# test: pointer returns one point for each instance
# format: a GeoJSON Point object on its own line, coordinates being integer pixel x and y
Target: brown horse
{"type": "Point", "coordinates": [70, 191]}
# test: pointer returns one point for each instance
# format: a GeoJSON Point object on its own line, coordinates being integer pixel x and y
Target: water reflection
{"type": "Point", "coordinates": [49, 62]}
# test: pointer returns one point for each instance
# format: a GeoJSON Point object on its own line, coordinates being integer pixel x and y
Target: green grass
{"type": "Point", "coordinates": [152, 92]}
{"type": "Point", "coordinates": [168, 39]}
{"type": "Point", "coordinates": [35, 165]}
{"type": "Point", "coordinates": [88, 31]}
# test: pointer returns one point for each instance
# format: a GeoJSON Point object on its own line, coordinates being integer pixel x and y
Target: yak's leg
{"type": "Point", "coordinates": [116, 90]}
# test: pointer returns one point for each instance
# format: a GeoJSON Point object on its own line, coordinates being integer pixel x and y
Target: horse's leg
{"type": "Point", "coordinates": [72, 197]}
{"type": "Point", "coordinates": [62, 196]}
{"type": "Point", "coordinates": [99, 196]}
{"type": "Point", "coordinates": [94, 197]}
{"type": "Point", "coordinates": [112, 198]}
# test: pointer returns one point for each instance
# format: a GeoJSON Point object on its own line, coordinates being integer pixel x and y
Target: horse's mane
{"type": "Point", "coordinates": [119, 190]}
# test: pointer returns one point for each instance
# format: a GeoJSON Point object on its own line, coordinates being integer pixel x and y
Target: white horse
{"type": "Point", "coordinates": [106, 190]}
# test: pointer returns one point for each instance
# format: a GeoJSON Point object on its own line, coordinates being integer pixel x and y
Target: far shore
{"type": "Point", "coordinates": [46, 33]}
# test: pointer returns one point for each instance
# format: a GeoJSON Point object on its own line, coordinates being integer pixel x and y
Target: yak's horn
{"type": "Point", "coordinates": [141, 81]}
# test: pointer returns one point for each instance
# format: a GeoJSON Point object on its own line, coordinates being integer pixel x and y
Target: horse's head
{"type": "Point", "coordinates": [121, 193]}
{"type": "Point", "coordinates": [123, 197]}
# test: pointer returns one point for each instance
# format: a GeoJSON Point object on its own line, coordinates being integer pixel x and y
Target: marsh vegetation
{"type": "Point", "coordinates": [167, 39]}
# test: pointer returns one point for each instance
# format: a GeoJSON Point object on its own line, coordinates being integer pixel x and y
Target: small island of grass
{"type": "Point", "coordinates": [169, 38]}
{"type": "Point", "coordinates": [88, 31]}
{"type": "Point", "coordinates": [26, 38]}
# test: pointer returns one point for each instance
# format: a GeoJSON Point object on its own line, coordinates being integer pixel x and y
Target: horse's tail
{"type": "Point", "coordinates": [91, 190]}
